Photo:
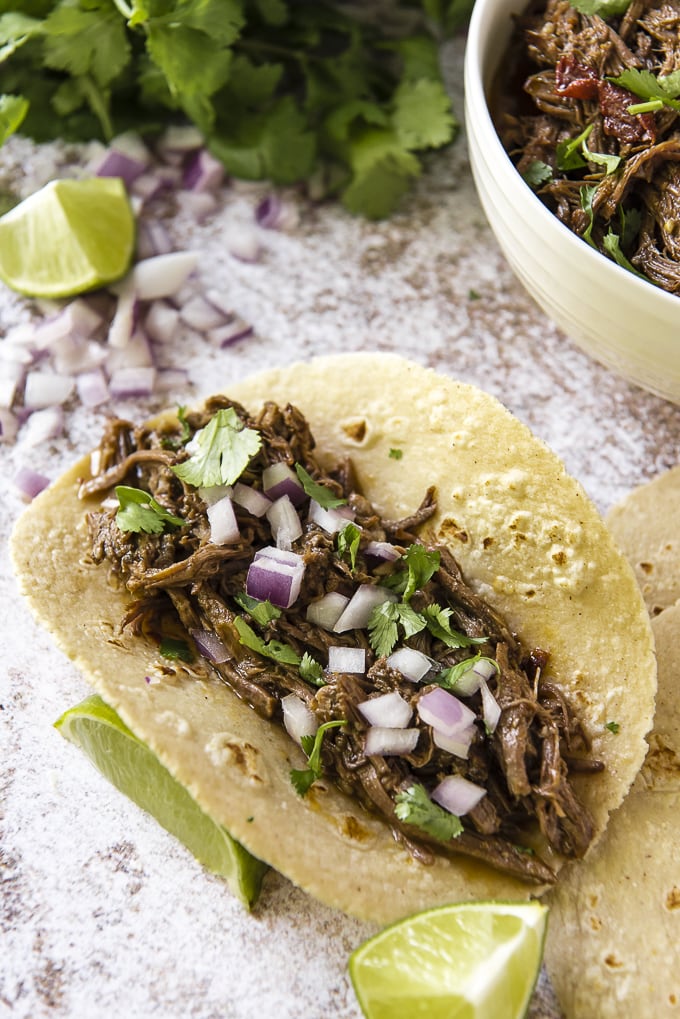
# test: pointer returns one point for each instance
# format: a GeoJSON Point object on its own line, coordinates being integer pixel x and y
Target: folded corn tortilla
{"type": "Point", "coordinates": [528, 539]}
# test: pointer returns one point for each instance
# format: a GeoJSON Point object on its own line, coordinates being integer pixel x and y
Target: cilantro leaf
{"type": "Point", "coordinates": [421, 565]}
{"type": "Point", "coordinates": [414, 806]}
{"type": "Point", "coordinates": [395, 454]}
{"type": "Point", "coordinates": [325, 498]}
{"type": "Point", "coordinates": [261, 611]}
{"type": "Point", "coordinates": [437, 620]}
{"type": "Point", "coordinates": [537, 174]}
{"type": "Point", "coordinates": [348, 543]}
{"type": "Point", "coordinates": [614, 727]}
{"type": "Point", "coordinates": [603, 8]}
{"type": "Point", "coordinates": [449, 678]}
{"type": "Point", "coordinates": [303, 779]}
{"type": "Point", "coordinates": [140, 513]}
{"type": "Point", "coordinates": [274, 649]}
{"type": "Point", "coordinates": [568, 152]}
{"type": "Point", "coordinates": [587, 194]}
{"type": "Point", "coordinates": [422, 114]}
{"type": "Point", "coordinates": [224, 448]}
{"type": "Point", "coordinates": [13, 110]}
{"type": "Point", "coordinates": [175, 649]}
{"type": "Point", "coordinates": [384, 623]}
{"type": "Point", "coordinates": [660, 91]}
{"type": "Point", "coordinates": [612, 245]}
{"type": "Point", "coordinates": [311, 670]}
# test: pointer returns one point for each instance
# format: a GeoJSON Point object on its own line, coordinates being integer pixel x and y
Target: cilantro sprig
{"type": "Point", "coordinates": [223, 450]}
{"type": "Point", "coordinates": [277, 650]}
{"type": "Point", "coordinates": [311, 670]}
{"type": "Point", "coordinates": [304, 778]}
{"type": "Point", "coordinates": [348, 541]}
{"type": "Point", "coordinates": [139, 512]}
{"type": "Point", "coordinates": [416, 567]}
{"type": "Point", "coordinates": [262, 612]}
{"type": "Point", "coordinates": [415, 807]}
{"type": "Point", "coordinates": [657, 91]}
{"type": "Point", "coordinates": [320, 493]}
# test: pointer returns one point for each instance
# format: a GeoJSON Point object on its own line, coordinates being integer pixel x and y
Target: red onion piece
{"type": "Point", "coordinates": [383, 550]}
{"type": "Point", "coordinates": [152, 239]}
{"type": "Point", "coordinates": [284, 522]}
{"type": "Point", "coordinates": [136, 354]}
{"type": "Point", "coordinates": [445, 712]}
{"type": "Point", "coordinates": [76, 317]}
{"type": "Point", "coordinates": [230, 333]}
{"type": "Point", "coordinates": [385, 742]}
{"type": "Point", "coordinates": [251, 499]}
{"type": "Point", "coordinates": [346, 659]}
{"type": "Point", "coordinates": [224, 528]}
{"type": "Point", "coordinates": [326, 611]}
{"type": "Point", "coordinates": [119, 164]}
{"type": "Point", "coordinates": [200, 314]}
{"type": "Point", "coordinates": [360, 606]}
{"type": "Point", "coordinates": [412, 664]}
{"type": "Point", "coordinates": [491, 711]}
{"type": "Point", "coordinates": [92, 388]}
{"type": "Point", "coordinates": [389, 710]}
{"type": "Point", "coordinates": [45, 389]}
{"type": "Point", "coordinates": [269, 580]}
{"type": "Point", "coordinates": [210, 646]}
{"type": "Point", "coordinates": [459, 745]}
{"type": "Point", "coordinates": [169, 380]}
{"type": "Point", "coordinates": [29, 482]}
{"type": "Point", "coordinates": [458, 795]}
{"type": "Point", "coordinates": [128, 382]}
{"type": "Point", "coordinates": [298, 719]}
{"type": "Point", "coordinates": [329, 520]}
{"type": "Point", "coordinates": [203, 172]}
{"type": "Point", "coordinates": [279, 479]}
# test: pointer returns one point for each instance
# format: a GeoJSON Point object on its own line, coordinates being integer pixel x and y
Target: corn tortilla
{"type": "Point", "coordinates": [527, 538]}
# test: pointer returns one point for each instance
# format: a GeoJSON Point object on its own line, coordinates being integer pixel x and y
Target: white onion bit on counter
{"type": "Point", "coordinates": [389, 710]}
{"type": "Point", "coordinates": [29, 482]}
{"type": "Point", "coordinates": [346, 659]}
{"type": "Point", "coordinates": [298, 719]}
{"type": "Point", "coordinates": [387, 742]}
{"type": "Point", "coordinates": [458, 795]}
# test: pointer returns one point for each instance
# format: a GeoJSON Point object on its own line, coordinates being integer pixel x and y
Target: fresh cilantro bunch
{"type": "Point", "coordinates": [340, 96]}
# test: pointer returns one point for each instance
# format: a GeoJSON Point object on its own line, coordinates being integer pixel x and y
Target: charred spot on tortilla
{"type": "Point", "coordinates": [415, 697]}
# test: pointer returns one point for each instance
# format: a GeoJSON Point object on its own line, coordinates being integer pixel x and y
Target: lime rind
{"type": "Point", "coordinates": [469, 960]}
{"type": "Point", "coordinates": [132, 768]}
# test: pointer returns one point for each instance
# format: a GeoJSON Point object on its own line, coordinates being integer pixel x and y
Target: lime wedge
{"type": "Point", "coordinates": [470, 960]}
{"type": "Point", "coordinates": [129, 764]}
{"type": "Point", "coordinates": [68, 237]}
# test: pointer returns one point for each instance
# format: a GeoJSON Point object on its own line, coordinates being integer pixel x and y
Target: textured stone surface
{"type": "Point", "coordinates": [102, 912]}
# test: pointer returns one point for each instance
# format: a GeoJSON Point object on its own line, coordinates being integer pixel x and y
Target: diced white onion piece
{"type": "Point", "coordinates": [326, 611]}
{"type": "Point", "coordinates": [163, 275]}
{"type": "Point", "coordinates": [92, 388]}
{"type": "Point", "coordinates": [29, 482]}
{"type": "Point", "coordinates": [298, 719]}
{"type": "Point", "coordinates": [200, 315]}
{"type": "Point", "coordinates": [491, 710]}
{"type": "Point", "coordinates": [244, 245]}
{"type": "Point", "coordinates": [389, 710]}
{"type": "Point", "coordinates": [45, 389]}
{"type": "Point", "coordinates": [330, 520]}
{"type": "Point", "coordinates": [445, 712]}
{"type": "Point", "coordinates": [210, 646]}
{"type": "Point", "coordinates": [412, 664]}
{"type": "Point", "coordinates": [135, 354]}
{"type": "Point", "coordinates": [360, 607]}
{"type": "Point", "coordinates": [127, 382]}
{"type": "Point", "coordinates": [346, 659]}
{"type": "Point", "coordinates": [76, 355]}
{"type": "Point", "coordinates": [251, 499]}
{"type": "Point", "coordinates": [284, 522]}
{"type": "Point", "coordinates": [269, 580]}
{"type": "Point", "coordinates": [471, 680]}
{"type": "Point", "coordinates": [123, 321]}
{"type": "Point", "coordinates": [387, 742]}
{"type": "Point", "coordinates": [384, 550]}
{"type": "Point", "coordinates": [457, 794]}
{"type": "Point", "coordinates": [43, 425]}
{"type": "Point", "coordinates": [223, 523]}
{"type": "Point", "coordinates": [171, 379]}
{"type": "Point", "coordinates": [77, 318]}
{"type": "Point", "coordinates": [214, 493]}
{"type": "Point", "coordinates": [458, 744]}
{"type": "Point", "coordinates": [197, 204]}
{"type": "Point", "coordinates": [161, 322]}
{"type": "Point", "coordinates": [180, 138]}
{"type": "Point", "coordinates": [279, 555]}
{"type": "Point", "coordinates": [279, 479]}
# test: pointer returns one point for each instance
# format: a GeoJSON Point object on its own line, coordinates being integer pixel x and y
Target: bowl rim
{"type": "Point", "coordinates": [488, 33]}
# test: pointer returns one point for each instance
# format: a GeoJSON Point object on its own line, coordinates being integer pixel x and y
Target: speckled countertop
{"type": "Point", "coordinates": [103, 913]}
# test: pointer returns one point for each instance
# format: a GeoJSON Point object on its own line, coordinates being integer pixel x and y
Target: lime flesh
{"type": "Point", "coordinates": [69, 237]}
{"type": "Point", "coordinates": [474, 960]}
{"type": "Point", "coordinates": [129, 764]}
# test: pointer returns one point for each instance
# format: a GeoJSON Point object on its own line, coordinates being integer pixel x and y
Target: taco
{"type": "Point", "coordinates": [488, 569]}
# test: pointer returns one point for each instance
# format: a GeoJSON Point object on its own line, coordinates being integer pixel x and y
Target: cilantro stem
{"type": "Point", "coordinates": [649, 107]}
{"type": "Point", "coordinates": [124, 9]}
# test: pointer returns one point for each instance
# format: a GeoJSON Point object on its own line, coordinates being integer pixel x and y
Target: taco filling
{"type": "Point", "coordinates": [403, 687]}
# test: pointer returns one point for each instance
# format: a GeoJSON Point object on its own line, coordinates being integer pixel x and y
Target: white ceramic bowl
{"type": "Point", "coordinates": [624, 322]}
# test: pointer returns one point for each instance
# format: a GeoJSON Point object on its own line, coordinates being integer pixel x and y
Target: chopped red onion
{"type": "Point", "coordinates": [346, 659]}
{"type": "Point", "coordinates": [147, 186]}
{"type": "Point", "coordinates": [152, 239]}
{"type": "Point", "coordinates": [136, 354]}
{"type": "Point", "coordinates": [277, 582]}
{"type": "Point", "coordinates": [459, 745]}
{"type": "Point", "coordinates": [386, 742]}
{"type": "Point", "coordinates": [298, 719]}
{"type": "Point", "coordinates": [129, 382]}
{"type": "Point", "coordinates": [200, 314]}
{"type": "Point", "coordinates": [43, 425]}
{"type": "Point", "coordinates": [458, 795]}
{"type": "Point", "coordinates": [389, 710]}
{"type": "Point", "coordinates": [119, 164]}
{"type": "Point", "coordinates": [45, 389]}
{"type": "Point", "coordinates": [203, 172]}
{"type": "Point", "coordinates": [329, 520]}
{"type": "Point", "coordinates": [161, 322]}
{"type": "Point", "coordinates": [383, 550]}
{"type": "Point", "coordinates": [163, 275]}
{"type": "Point", "coordinates": [215, 493]}
{"type": "Point", "coordinates": [284, 522]}
{"type": "Point", "coordinates": [279, 479]}
{"type": "Point", "coordinates": [326, 611]}
{"type": "Point", "coordinates": [210, 646]}
{"type": "Point", "coordinates": [92, 388]}
{"type": "Point", "coordinates": [75, 355]}
{"type": "Point", "coordinates": [230, 333]}
{"type": "Point", "coordinates": [76, 317]}
{"type": "Point", "coordinates": [224, 528]}
{"type": "Point", "coordinates": [29, 482]}
{"type": "Point", "coordinates": [445, 712]}
{"type": "Point", "coordinates": [170, 379]}
{"type": "Point", "coordinates": [251, 499]}
{"type": "Point", "coordinates": [197, 204]}
{"type": "Point", "coordinates": [412, 664]}
{"type": "Point", "coordinates": [491, 711]}
{"type": "Point", "coordinates": [273, 213]}
{"type": "Point", "coordinates": [360, 606]}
